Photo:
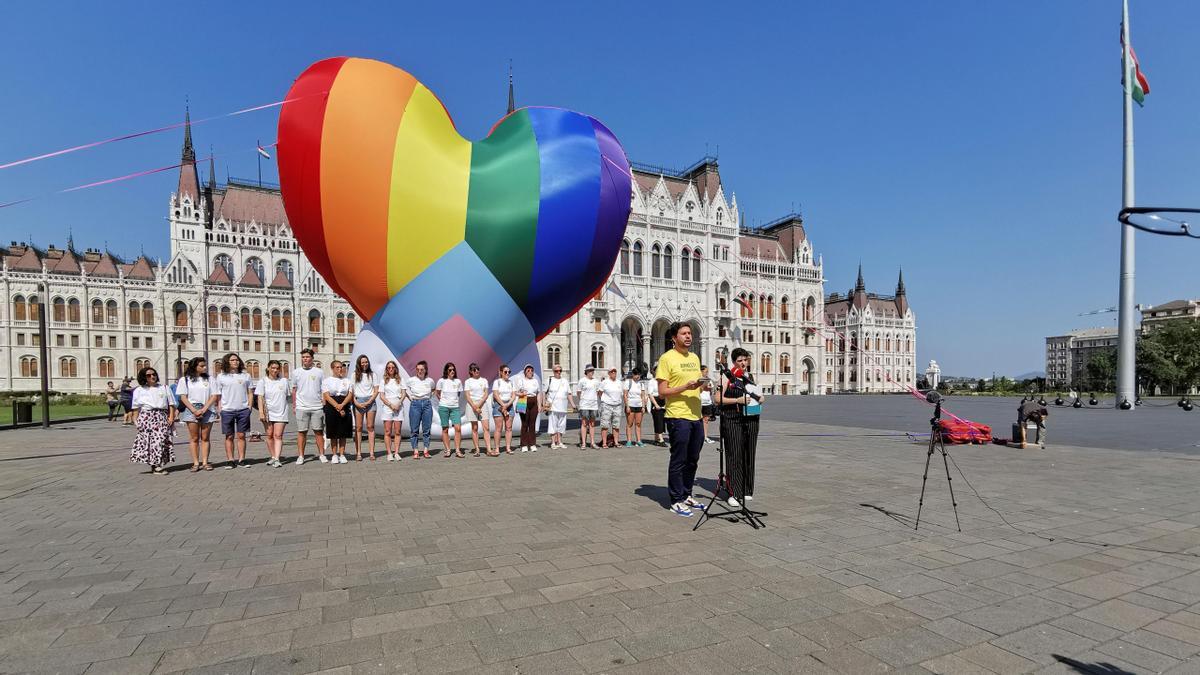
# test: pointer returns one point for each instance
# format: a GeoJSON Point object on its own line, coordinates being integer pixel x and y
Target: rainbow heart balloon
{"type": "Point", "coordinates": [455, 250]}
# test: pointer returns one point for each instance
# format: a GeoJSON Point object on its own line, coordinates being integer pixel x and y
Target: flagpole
{"type": "Point", "coordinates": [1126, 328]}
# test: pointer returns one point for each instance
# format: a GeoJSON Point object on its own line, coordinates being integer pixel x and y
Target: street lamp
{"type": "Point", "coordinates": [44, 353]}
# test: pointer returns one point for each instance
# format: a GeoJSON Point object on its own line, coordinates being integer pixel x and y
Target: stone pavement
{"type": "Point", "coordinates": [568, 562]}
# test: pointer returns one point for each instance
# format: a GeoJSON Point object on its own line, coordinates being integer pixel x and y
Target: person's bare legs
{"type": "Point", "coordinates": [205, 443]}
{"type": "Point", "coordinates": [370, 427]}
{"type": "Point", "coordinates": [194, 441]}
{"type": "Point", "coordinates": [358, 422]}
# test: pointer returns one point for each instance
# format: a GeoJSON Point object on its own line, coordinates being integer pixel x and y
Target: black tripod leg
{"type": "Point", "coordinates": [950, 484]}
{"type": "Point", "coordinates": [924, 480]}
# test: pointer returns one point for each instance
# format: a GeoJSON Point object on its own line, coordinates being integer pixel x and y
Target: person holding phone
{"type": "Point", "coordinates": [679, 382]}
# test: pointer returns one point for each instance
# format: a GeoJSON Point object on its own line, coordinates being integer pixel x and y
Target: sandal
{"type": "Point", "coordinates": [194, 469]}
{"type": "Point", "coordinates": [459, 454]}
{"type": "Point", "coordinates": [358, 458]}
{"type": "Point", "coordinates": [426, 454]}
{"type": "Point", "coordinates": [446, 454]}
{"type": "Point", "coordinates": [207, 467]}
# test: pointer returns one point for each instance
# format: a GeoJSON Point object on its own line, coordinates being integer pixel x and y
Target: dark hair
{"type": "Point", "coordinates": [273, 362]}
{"type": "Point", "coordinates": [419, 364]}
{"type": "Point", "coordinates": [225, 363]}
{"type": "Point", "coordinates": [358, 369]}
{"type": "Point", "coordinates": [473, 366]}
{"type": "Point", "coordinates": [503, 367]}
{"type": "Point", "coordinates": [738, 353]}
{"type": "Point", "coordinates": [674, 329]}
{"type": "Point", "coordinates": [190, 374]}
{"type": "Point", "coordinates": [141, 376]}
{"type": "Point", "coordinates": [308, 351]}
{"type": "Point", "coordinates": [446, 369]}
{"type": "Point", "coordinates": [703, 368]}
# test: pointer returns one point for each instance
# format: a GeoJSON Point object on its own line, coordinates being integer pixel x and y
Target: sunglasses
{"type": "Point", "coordinates": [154, 375]}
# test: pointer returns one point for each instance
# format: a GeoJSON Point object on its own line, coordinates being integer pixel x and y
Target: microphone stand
{"type": "Point", "coordinates": [744, 514]}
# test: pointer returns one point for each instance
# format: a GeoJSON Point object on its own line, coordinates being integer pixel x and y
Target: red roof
{"type": "Point", "coordinates": [281, 280]}
{"type": "Point", "coordinates": [106, 266]}
{"type": "Point", "coordinates": [250, 278]}
{"type": "Point", "coordinates": [242, 204]}
{"type": "Point", "coordinates": [219, 276]}
{"type": "Point", "coordinates": [67, 264]}
{"type": "Point", "coordinates": [28, 262]}
{"type": "Point", "coordinates": [140, 269]}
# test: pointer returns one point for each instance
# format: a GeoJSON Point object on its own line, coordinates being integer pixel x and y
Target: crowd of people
{"type": "Point", "coordinates": [345, 403]}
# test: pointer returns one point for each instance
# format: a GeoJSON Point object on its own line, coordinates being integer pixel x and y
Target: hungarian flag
{"type": "Point", "coordinates": [1133, 71]}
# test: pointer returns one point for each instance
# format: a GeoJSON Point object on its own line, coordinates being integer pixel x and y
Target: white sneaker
{"type": "Point", "coordinates": [749, 498]}
{"type": "Point", "coordinates": [533, 448]}
{"type": "Point", "coordinates": [733, 503]}
{"type": "Point", "coordinates": [524, 448]}
{"type": "Point", "coordinates": [708, 440]}
{"type": "Point", "coordinates": [341, 459]}
{"type": "Point", "coordinates": [299, 461]}
{"type": "Point", "coordinates": [277, 464]}
{"type": "Point", "coordinates": [391, 458]}
{"type": "Point", "coordinates": [322, 458]}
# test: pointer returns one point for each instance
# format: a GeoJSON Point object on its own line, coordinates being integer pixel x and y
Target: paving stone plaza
{"type": "Point", "coordinates": [568, 561]}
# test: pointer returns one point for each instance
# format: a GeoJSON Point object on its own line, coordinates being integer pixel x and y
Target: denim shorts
{"type": "Point", "coordinates": [185, 415]}
{"type": "Point", "coordinates": [235, 420]}
{"type": "Point", "coordinates": [360, 400]}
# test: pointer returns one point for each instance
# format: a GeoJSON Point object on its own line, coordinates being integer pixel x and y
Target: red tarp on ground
{"type": "Point", "coordinates": [959, 432]}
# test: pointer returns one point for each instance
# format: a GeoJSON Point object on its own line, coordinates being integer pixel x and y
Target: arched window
{"type": "Point", "coordinates": [73, 310]}
{"type": "Point", "coordinates": [226, 317]}
{"type": "Point", "coordinates": [341, 322]}
{"type": "Point", "coordinates": [766, 362]}
{"type": "Point", "coordinates": [19, 311]}
{"type": "Point", "coordinates": [314, 321]}
{"type": "Point", "coordinates": [110, 312]}
{"type": "Point", "coordinates": [287, 320]}
{"type": "Point", "coordinates": [785, 363]}
{"type": "Point", "coordinates": [878, 342]}
{"type": "Point", "coordinates": [225, 262]}
{"type": "Point", "coordinates": [180, 314]}
{"type": "Point", "coordinates": [553, 356]}
{"type": "Point", "coordinates": [668, 262]}
{"type": "Point", "coordinates": [68, 367]}
{"type": "Point", "coordinates": [350, 320]}
{"type": "Point", "coordinates": [597, 356]}
{"type": "Point", "coordinates": [907, 344]}
{"type": "Point", "coordinates": [213, 316]}
{"type": "Point", "coordinates": [685, 264]}
{"type": "Point", "coordinates": [285, 266]}
{"type": "Point", "coordinates": [256, 319]}
{"type": "Point", "coordinates": [276, 320]}
{"type": "Point", "coordinates": [637, 258]}
{"type": "Point", "coordinates": [252, 368]}
{"type": "Point", "coordinates": [97, 311]}
{"type": "Point", "coordinates": [138, 364]}
{"type": "Point", "coordinates": [29, 366]}
{"type": "Point", "coordinates": [59, 310]}
{"type": "Point", "coordinates": [255, 264]}
{"type": "Point", "coordinates": [720, 217]}
{"type": "Point", "coordinates": [655, 261]}
{"type": "Point", "coordinates": [147, 314]}
{"type": "Point", "coordinates": [750, 308]}
{"type": "Point", "coordinates": [624, 256]}
{"type": "Point", "coordinates": [742, 306]}
{"type": "Point", "coordinates": [770, 307]}
{"type": "Point", "coordinates": [696, 265]}
{"type": "Point", "coordinates": [810, 309]}
{"type": "Point", "coordinates": [783, 308]}
{"type": "Point", "coordinates": [106, 367]}
{"type": "Point", "coordinates": [134, 316]}
{"type": "Point", "coordinates": [244, 318]}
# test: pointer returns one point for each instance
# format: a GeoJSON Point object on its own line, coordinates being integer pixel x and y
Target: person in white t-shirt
{"type": "Point", "coordinates": [557, 402]}
{"type": "Point", "coordinates": [197, 409]}
{"type": "Point", "coordinates": [635, 405]}
{"type": "Point", "coordinates": [612, 399]}
{"type": "Point", "coordinates": [366, 391]}
{"type": "Point", "coordinates": [708, 411]}
{"type": "Point", "coordinates": [273, 409]}
{"type": "Point", "coordinates": [478, 410]}
{"type": "Point", "coordinates": [588, 390]}
{"type": "Point", "coordinates": [254, 396]}
{"type": "Point", "coordinates": [233, 385]}
{"type": "Point", "coordinates": [337, 392]}
{"type": "Point", "coordinates": [391, 402]}
{"type": "Point", "coordinates": [420, 408]}
{"type": "Point", "coordinates": [448, 393]}
{"type": "Point", "coordinates": [529, 389]}
{"type": "Point", "coordinates": [154, 417]}
{"type": "Point", "coordinates": [308, 405]}
{"type": "Point", "coordinates": [504, 397]}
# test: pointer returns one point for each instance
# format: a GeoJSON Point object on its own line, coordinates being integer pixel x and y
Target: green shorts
{"type": "Point", "coordinates": [449, 416]}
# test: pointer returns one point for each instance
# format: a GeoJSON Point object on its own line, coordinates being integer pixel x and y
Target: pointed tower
{"type": "Point", "coordinates": [189, 177]}
{"type": "Point", "coordinates": [512, 100]}
{"type": "Point", "coordinates": [210, 190]}
{"type": "Point", "coordinates": [859, 295]}
{"type": "Point", "coordinates": [901, 295]}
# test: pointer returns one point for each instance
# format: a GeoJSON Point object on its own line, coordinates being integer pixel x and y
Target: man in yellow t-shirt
{"type": "Point", "coordinates": [679, 382]}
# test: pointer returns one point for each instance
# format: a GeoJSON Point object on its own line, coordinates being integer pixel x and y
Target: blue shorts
{"type": "Point", "coordinates": [185, 415]}
{"type": "Point", "coordinates": [232, 420]}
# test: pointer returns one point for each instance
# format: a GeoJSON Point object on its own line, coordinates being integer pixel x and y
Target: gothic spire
{"type": "Point", "coordinates": [189, 153]}
{"type": "Point", "coordinates": [900, 284]}
{"type": "Point", "coordinates": [901, 295]}
{"type": "Point", "coordinates": [212, 171]}
{"type": "Point", "coordinates": [860, 285]}
{"type": "Point", "coordinates": [859, 295]}
{"type": "Point", "coordinates": [189, 177]}
{"type": "Point", "coordinates": [512, 101]}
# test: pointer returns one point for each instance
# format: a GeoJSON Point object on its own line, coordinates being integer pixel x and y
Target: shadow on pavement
{"type": "Point", "coordinates": [1091, 668]}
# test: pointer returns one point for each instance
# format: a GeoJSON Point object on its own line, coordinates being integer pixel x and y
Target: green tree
{"type": "Point", "coordinates": [1101, 369]}
{"type": "Point", "coordinates": [981, 386]}
{"type": "Point", "coordinates": [1169, 355]}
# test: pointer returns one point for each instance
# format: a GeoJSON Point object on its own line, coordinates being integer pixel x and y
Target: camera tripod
{"type": "Point", "coordinates": [742, 513]}
{"type": "Point", "coordinates": [937, 444]}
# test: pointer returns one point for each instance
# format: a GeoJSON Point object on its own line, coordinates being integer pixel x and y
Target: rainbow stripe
{"type": "Point", "coordinates": [383, 194]}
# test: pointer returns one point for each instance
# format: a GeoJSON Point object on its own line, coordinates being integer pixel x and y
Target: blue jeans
{"type": "Point", "coordinates": [687, 438]}
{"type": "Point", "coordinates": [420, 420]}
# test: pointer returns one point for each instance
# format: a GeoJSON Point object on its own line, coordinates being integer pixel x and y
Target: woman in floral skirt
{"type": "Point", "coordinates": [154, 411]}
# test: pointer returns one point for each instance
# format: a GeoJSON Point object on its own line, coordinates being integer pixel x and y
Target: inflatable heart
{"type": "Point", "coordinates": [456, 251]}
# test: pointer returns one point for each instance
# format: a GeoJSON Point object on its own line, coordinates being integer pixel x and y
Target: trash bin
{"type": "Point", "coordinates": [22, 412]}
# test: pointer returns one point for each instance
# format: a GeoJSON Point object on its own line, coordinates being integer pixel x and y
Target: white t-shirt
{"type": "Point", "coordinates": [419, 389]}
{"type": "Point", "coordinates": [450, 391]}
{"type": "Point", "coordinates": [706, 397]}
{"type": "Point", "coordinates": [275, 393]}
{"type": "Point", "coordinates": [336, 386]}
{"type": "Point", "coordinates": [589, 393]}
{"type": "Point", "coordinates": [503, 389]}
{"type": "Point", "coordinates": [366, 386]}
{"type": "Point", "coordinates": [558, 390]}
{"type": "Point", "coordinates": [477, 390]}
{"type": "Point", "coordinates": [157, 397]}
{"type": "Point", "coordinates": [196, 391]}
{"type": "Point", "coordinates": [306, 382]}
{"type": "Point", "coordinates": [611, 392]}
{"type": "Point", "coordinates": [391, 390]}
{"type": "Point", "coordinates": [528, 386]}
{"type": "Point", "coordinates": [235, 391]}
{"type": "Point", "coordinates": [636, 392]}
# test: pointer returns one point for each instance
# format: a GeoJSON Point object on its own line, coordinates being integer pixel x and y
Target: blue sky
{"type": "Point", "coordinates": [976, 144]}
